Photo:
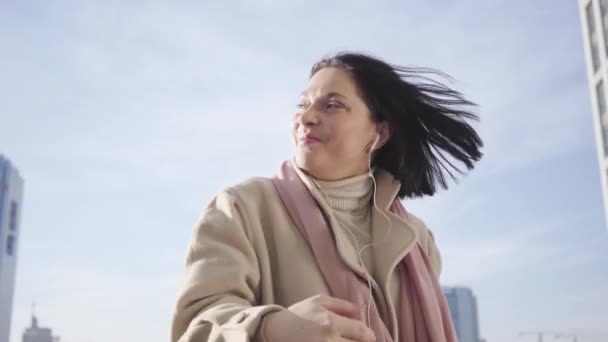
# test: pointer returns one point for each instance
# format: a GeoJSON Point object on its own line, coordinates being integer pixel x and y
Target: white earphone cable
{"type": "Point", "coordinates": [360, 251]}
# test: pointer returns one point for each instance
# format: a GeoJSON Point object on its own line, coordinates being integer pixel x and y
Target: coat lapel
{"type": "Point", "coordinates": [346, 248]}
{"type": "Point", "coordinates": [419, 289]}
{"type": "Point", "coordinates": [341, 280]}
{"type": "Point", "coordinates": [395, 239]}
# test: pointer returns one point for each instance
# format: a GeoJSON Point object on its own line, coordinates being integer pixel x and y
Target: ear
{"type": "Point", "coordinates": [383, 132]}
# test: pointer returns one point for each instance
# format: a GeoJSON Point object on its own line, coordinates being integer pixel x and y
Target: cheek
{"type": "Point", "coordinates": [348, 140]}
{"type": "Point", "coordinates": [350, 146]}
{"type": "Point", "coordinates": [294, 129]}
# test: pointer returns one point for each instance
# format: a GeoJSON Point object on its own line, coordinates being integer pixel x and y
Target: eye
{"type": "Point", "coordinates": [302, 105]}
{"type": "Point", "coordinates": [334, 104]}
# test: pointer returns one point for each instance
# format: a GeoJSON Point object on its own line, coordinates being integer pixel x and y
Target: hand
{"type": "Point", "coordinates": [320, 318]}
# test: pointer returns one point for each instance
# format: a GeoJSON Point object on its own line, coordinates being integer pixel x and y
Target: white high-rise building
{"type": "Point", "coordinates": [463, 309]}
{"type": "Point", "coordinates": [11, 196]}
{"type": "Point", "coordinates": [594, 20]}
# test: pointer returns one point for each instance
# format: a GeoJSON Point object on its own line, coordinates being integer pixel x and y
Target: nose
{"type": "Point", "coordinates": [308, 117]}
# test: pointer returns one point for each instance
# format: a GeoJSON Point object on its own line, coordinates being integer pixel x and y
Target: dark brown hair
{"type": "Point", "coordinates": [427, 121]}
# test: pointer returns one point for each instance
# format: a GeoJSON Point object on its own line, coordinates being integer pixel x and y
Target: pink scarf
{"type": "Point", "coordinates": [423, 308]}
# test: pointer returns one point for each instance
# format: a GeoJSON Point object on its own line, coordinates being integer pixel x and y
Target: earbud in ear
{"type": "Point", "coordinates": [375, 142]}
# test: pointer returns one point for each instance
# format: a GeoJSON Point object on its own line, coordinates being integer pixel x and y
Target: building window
{"type": "Point", "coordinates": [601, 106]}
{"type": "Point", "coordinates": [12, 218]}
{"type": "Point", "coordinates": [10, 245]}
{"type": "Point", "coordinates": [593, 41]}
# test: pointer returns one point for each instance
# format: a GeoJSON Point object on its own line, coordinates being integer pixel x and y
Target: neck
{"type": "Point", "coordinates": [331, 175]}
{"type": "Point", "coordinates": [351, 195]}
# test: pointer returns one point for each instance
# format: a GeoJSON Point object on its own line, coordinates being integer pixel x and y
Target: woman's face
{"type": "Point", "coordinates": [332, 127]}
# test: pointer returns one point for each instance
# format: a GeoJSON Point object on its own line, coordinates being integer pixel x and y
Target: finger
{"type": "Point", "coordinates": [340, 307]}
{"type": "Point", "coordinates": [352, 329]}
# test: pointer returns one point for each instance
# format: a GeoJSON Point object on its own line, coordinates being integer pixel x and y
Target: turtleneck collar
{"type": "Point", "coordinates": [348, 196]}
{"type": "Point", "coordinates": [386, 192]}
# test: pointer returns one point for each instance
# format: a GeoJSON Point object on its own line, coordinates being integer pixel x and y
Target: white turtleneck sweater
{"type": "Point", "coordinates": [350, 200]}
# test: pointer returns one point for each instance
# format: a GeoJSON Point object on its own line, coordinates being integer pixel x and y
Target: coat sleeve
{"type": "Point", "coordinates": [218, 299]}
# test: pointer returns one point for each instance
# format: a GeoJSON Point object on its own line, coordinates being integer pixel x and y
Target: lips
{"type": "Point", "coordinates": [309, 139]}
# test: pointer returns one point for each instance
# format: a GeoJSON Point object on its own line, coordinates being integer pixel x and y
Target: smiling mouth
{"type": "Point", "coordinates": [307, 140]}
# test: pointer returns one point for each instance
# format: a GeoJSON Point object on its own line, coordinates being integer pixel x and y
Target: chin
{"type": "Point", "coordinates": [308, 163]}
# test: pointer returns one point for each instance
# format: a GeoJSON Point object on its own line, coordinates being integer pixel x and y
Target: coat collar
{"type": "Point", "coordinates": [393, 236]}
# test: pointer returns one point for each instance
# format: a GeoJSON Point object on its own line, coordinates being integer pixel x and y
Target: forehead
{"type": "Point", "coordinates": [331, 79]}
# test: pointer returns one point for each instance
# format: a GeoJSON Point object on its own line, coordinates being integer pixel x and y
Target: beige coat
{"type": "Point", "coordinates": [248, 259]}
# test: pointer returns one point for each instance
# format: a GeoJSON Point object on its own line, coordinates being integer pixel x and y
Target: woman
{"type": "Point", "coordinates": [324, 251]}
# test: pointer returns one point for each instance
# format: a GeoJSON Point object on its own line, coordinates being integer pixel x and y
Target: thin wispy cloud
{"type": "Point", "coordinates": [126, 118]}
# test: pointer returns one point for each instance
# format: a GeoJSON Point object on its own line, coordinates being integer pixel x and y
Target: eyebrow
{"type": "Point", "coordinates": [328, 95]}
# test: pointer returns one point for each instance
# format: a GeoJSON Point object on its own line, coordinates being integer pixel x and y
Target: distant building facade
{"type": "Point", "coordinates": [11, 198]}
{"type": "Point", "coordinates": [463, 309]}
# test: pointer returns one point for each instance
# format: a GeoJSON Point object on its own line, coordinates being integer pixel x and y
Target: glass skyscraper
{"type": "Point", "coordinates": [463, 309]}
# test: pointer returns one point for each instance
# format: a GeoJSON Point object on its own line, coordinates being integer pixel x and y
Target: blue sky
{"type": "Point", "coordinates": [125, 117]}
